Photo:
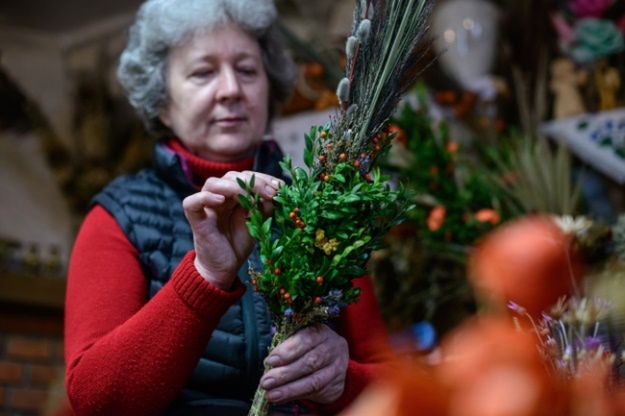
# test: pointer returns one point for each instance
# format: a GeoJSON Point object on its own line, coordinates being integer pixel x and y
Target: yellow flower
{"type": "Point", "coordinates": [330, 246]}
{"type": "Point", "coordinates": [321, 242]}
{"type": "Point", "coordinates": [320, 236]}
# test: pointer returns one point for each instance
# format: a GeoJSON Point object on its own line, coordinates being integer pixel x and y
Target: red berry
{"type": "Point", "coordinates": [318, 300]}
{"type": "Point", "coordinates": [277, 271]}
{"type": "Point", "coordinates": [319, 280]}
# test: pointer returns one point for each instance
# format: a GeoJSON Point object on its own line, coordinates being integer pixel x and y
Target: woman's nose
{"type": "Point", "coordinates": [229, 86]}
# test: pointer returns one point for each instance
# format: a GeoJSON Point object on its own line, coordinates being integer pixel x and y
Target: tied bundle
{"type": "Point", "coordinates": [329, 218]}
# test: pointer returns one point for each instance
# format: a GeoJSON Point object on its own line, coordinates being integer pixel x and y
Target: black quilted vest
{"type": "Point", "coordinates": [148, 207]}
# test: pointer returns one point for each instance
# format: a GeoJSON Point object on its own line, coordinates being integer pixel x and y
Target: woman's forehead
{"type": "Point", "coordinates": [227, 40]}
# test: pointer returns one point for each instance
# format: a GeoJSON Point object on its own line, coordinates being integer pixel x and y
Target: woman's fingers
{"type": "Point", "coordinates": [324, 386]}
{"type": "Point", "coordinates": [310, 364]}
{"type": "Point", "coordinates": [194, 204]}
{"type": "Point", "coordinates": [297, 345]}
{"type": "Point", "coordinates": [265, 185]}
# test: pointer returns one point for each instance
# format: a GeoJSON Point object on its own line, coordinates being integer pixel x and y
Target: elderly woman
{"type": "Point", "coordinates": [160, 315]}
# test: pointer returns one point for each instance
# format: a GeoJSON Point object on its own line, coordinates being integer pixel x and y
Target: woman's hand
{"type": "Point", "coordinates": [311, 364]}
{"type": "Point", "coordinates": [220, 236]}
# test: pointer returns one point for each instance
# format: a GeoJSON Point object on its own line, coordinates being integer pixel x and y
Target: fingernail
{"type": "Point", "coordinates": [270, 191]}
{"type": "Point", "coordinates": [275, 183]}
{"type": "Point", "coordinates": [274, 395]}
{"type": "Point", "coordinates": [269, 383]}
{"type": "Point", "coordinates": [272, 360]}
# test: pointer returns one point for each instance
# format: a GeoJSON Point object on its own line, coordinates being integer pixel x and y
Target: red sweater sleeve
{"type": "Point", "coordinates": [369, 348]}
{"type": "Point", "coordinates": [126, 355]}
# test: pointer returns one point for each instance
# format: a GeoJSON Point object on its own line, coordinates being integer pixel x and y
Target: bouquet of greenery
{"type": "Point", "coordinates": [330, 217]}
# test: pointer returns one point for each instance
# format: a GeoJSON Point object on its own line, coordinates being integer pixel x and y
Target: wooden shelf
{"type": "Point", "coordinates": [32, 291]}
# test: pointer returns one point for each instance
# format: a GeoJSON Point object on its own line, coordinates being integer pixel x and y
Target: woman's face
{"type": "Point", "coordinates": [218, 94]}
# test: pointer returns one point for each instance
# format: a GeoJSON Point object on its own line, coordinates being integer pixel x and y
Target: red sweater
{"type": "Point", "coordinates": [126, 355]}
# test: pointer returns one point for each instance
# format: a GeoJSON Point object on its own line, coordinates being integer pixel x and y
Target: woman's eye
{"type": "Point", "coordinates": [202, 73]}
{"type": "Point", "coordinates": [248, 71]}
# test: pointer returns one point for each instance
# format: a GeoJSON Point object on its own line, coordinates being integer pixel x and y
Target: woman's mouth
{"type": "Point", "coordinates": [229, 122]}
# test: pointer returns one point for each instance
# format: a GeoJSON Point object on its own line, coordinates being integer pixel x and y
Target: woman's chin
{"type": "Point", "coordinates": [230, 151]}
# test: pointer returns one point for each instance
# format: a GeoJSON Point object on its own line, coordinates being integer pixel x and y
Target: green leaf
{"type": "Point", "coordinates": [300, 175]}
{"type": "Point", "coordinates": [267, 226]}
{"type": "Point", "coordinates": [331, 215]}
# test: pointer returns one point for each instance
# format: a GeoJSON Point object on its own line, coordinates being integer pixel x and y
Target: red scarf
{"type": "Point", "coordinates": [201, 169]}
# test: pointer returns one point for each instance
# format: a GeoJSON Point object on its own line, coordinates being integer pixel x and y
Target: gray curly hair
{"type": "Point", "coordinates": [163, 24]}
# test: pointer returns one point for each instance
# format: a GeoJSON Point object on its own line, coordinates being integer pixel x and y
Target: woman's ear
{"type": "Point", "coordinates": [163, 115]}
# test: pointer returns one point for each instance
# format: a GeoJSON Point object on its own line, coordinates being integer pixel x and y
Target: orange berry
{"type": "Point", "coordinates": [277, 271]}
{"type": "Point", "coordinates": [323, 134]}
{"type": "Point", "coordinates": [287, 296]}
{"type": "Point", "coordinates": [292, 215]}
{"type": "Point", "coordinates": [342, 157]}
{"type": "Point", "coordinates": [319, 280]}
{"type": "Point", "coordinates": [322, 158]}
{"type": "Point", "coordinates": [282, 291]}
{"type": "Point", "coordinates": [318, 300]}
{"type": "Point", "coordinates": [356, 163]}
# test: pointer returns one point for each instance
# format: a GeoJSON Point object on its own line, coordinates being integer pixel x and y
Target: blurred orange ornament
{"type": "Point", "coordinates": [528, 261]}
{"type": "Point", "coordinates": [593, 393]}
{"type": "Point", "coordinates": [493, 369]}
{"type": "Point", "coordinates": [314, 69]}
{"type": "Point", "coordinates": [400, 134]}
{"type": "Point", "coordinates": [436, 218]}
{"type": "Point", "coordinates": [407, 389]}
{"type": "Point", "coordinates": [446, 97]}
{"type": "Point", "coordinates": [488, 215]}
{"type": "Point", "coordinates": [452, 147]}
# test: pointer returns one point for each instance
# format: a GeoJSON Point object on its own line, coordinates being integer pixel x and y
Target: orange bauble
{"type": "Point", "coordinates": [528, 261]}
{"type": "Point", "coordinates": [491, 368]}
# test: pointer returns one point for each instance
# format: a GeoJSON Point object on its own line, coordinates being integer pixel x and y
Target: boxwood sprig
{"type": "Point", "coordinates": [319, 237]}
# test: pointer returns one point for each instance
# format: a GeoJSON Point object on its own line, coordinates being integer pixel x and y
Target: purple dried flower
{"type": "Point", "coordinates": [592, 343]}
{"type": "Point", "coordinates": [515, 307]}
{"type": "Point", "coordinates": [334, 310]}
{"type": "Point", "coordinates": [288, 313]}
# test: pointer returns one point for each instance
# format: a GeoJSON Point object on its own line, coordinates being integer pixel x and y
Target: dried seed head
{"type": "Point", "coordinates": [348, 134]}
{"type": "Point", "coordinates": [342, 91]}
{"type": "Point", "coordinates": [350, 47]}
{"type": "Point", "coordinates": [364, 30]}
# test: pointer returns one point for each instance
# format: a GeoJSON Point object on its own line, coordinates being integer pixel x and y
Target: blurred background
{"type": "Point", "coordinates": [519, 108]}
